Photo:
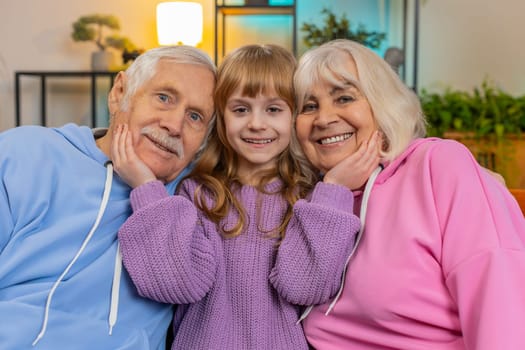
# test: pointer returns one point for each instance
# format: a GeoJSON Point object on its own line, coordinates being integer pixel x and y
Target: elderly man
{"type": "Point", "coordinates": [61, 282]}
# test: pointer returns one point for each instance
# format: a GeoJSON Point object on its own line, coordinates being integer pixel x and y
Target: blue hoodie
{"type": "Point", "coordinates": [51, 189]}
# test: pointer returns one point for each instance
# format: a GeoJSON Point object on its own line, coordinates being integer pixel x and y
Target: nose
{"type": "Point", "coordinates": [172, 121]}
{"type": "Point", "coordinates": [325, 116]}
{"type": "Point", "coordinates": [257, 121]}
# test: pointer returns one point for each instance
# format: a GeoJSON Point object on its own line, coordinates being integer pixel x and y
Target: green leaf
{"type": "Point", "coordinates": [93, 27]}
{"type": "Point", "coordinates": [339, 28]}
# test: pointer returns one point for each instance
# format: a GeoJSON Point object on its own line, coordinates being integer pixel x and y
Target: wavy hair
{"type": "Point", "coordinates": [253, 69]}
{"type": "Point", "coordinates": [396, 108]}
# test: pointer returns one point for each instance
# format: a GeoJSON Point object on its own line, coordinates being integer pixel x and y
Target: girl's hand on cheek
{"type": "Point", "coordinates": [125, 162]}
{"type": "Point", "coordinates": [354, 171]}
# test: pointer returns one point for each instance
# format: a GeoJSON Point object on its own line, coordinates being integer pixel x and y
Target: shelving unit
{"type": "Point", "coordinates": [44, 76]}
{"type": "Point", "coordinates": [414, 7]}
{"type": "Point", "coordinates": [223, 11]}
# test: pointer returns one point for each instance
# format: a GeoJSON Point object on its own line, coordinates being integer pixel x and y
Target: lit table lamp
{"type": "Point", "coordinates": [179, 23]}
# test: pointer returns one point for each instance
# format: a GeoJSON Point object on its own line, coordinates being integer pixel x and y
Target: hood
{"type": "Point", "coordinates": [81, 137]}
{"type": "Point", "coordinates": [391, 167]}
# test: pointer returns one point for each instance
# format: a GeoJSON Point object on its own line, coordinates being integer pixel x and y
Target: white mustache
{"type": "Point", "coordinates": [161, 137]}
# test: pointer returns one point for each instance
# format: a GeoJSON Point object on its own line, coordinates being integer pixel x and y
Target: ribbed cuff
{"type": "Point", "coordinates": [332, 195]}
{"type": "Point", "coordinates": [147, 193]}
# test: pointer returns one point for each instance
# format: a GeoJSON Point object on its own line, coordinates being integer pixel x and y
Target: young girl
{"type": "Point", "coordinates": [237, 247]}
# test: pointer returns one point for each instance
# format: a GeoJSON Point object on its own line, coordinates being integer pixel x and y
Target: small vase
{"type": "Point", "coordinates": [102, 60]}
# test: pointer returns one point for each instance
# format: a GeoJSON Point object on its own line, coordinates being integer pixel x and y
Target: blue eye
{"type": "Point", "coordinates": [195, 116]}
{"type": "Point", "coordinates": [163, 97]}
{"type": "Point", "coordinates": [195, 120]}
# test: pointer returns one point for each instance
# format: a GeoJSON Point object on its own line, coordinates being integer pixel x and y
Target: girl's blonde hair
{"type": "Point", "coordinates": [396, 108]}
{"type": "Point", "coordinates": [253, 69]}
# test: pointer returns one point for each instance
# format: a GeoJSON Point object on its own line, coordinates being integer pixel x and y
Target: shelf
{"type": "Point", "coordinates": [43, 77]}
{"type": "Point", "coordinates": [256, 10]}
{"type": "Point", "coordinates": [223, 11]}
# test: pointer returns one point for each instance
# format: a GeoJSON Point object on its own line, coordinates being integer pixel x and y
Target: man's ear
{"type": "Point", "coordinates": [117, 92]}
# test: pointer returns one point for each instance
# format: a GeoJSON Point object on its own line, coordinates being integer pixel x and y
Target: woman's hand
{"type": "Point", "coordinates": [125, 162]}
{"type": "Point", "coordinates": [354, 171]}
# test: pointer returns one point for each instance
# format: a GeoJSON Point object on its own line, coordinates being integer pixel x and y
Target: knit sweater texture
{"type": "Point", "coordinates": [241, 292]}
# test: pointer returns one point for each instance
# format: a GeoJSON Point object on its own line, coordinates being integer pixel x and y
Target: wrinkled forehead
{"type": "Point", "coordinates": [336, 70]}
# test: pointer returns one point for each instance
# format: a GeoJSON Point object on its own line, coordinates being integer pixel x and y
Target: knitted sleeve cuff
{"type": "Point", "coordinates": [332, 195]}
{"type": "Point", "coordinates": [147, 193]}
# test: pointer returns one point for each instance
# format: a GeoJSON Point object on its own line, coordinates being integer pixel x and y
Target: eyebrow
{"type": "Point", "coordinates": [346, 85]}
{"type": "Point", "coordinates": [176, 93]}
{"type": "Point", "coordinates": [168, 89]}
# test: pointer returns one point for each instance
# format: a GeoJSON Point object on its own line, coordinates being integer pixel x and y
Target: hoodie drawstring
{"type": "Point", "coordinates": [102, 209]}
{"type": "Point", "coordinates": [362, 217]}
{"type": "Point", "coordinates": [115, 288]}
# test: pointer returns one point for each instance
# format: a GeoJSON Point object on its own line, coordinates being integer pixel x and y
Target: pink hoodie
{"type": "Point", "coordinates": [441, 264]}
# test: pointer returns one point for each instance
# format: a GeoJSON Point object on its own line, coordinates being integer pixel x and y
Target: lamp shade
{"type": "Point", "coordinates": [179, 22]}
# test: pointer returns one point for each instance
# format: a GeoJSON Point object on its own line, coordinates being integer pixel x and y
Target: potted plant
{"type": "Point", "coordinates": [339, 28]}
{"type": "Point", "coordinates": [489, 121]}
{"type": "Point", "coordinates": [93, 28]}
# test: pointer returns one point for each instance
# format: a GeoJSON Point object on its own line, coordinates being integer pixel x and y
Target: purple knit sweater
{"type": "Point", "coordinates": [242, 292]}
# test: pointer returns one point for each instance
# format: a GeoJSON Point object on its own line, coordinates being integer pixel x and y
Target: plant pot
{"type": "Point", "coordinates": [102, 60]}
{"type": "Point", "coordinates": [504, 155]}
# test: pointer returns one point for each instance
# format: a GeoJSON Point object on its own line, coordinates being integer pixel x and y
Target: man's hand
{"type": "Point", "coordinates": [354, 171]}
{"type": "Point", "coordinates": [125, 162]}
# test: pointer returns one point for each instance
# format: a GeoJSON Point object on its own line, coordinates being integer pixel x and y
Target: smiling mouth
{"type": "Point", "coordinates": [335, 139]}
{"type": "Point", "coordinates": [259, 141]}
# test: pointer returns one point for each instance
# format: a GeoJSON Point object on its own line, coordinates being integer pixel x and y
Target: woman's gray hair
{"type": "Point", "coordinates": [145, 65]}
{"type": "Point", "coordinates": [396, 108]}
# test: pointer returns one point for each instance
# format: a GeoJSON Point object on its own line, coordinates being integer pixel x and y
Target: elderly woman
{"type": "Point", "coordinates": [440, 262]}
